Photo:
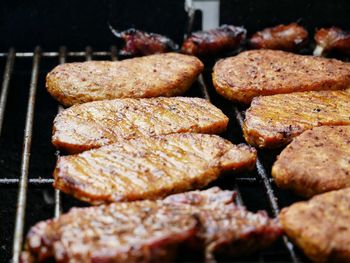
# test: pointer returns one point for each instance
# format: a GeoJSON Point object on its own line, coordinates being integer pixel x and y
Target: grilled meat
{"type": "Point", "coordinates": [150, 168]}
{"type": "Point", "coordinates": [140, 43]}
{"type": "Point", "coordinates": [273, 121]}
{"type": "Point", "coordinates": [167, 74]}
{"type": "Point", "coordinates": [320, 227]}
{"type": "Point", "coordinates": [94, 124]}
{"type": "Point", "coordinates": [317, 161]}
{"type": "Point", "coordinates": [214, 41]}
{"type": "Point", "coordinates": [289, 37]}
{"type": "Point", "coordinates": [334, 38]}
{"type": "Point", "coordinates": [267, 72]}
{"type": "Point", "coordinates": [226, 228]}
{"type": "Point", "coordinates": [149, 231]}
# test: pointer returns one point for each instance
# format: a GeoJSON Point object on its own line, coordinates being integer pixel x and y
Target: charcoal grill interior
{"type": "Point", "coordinates": [27, 157]}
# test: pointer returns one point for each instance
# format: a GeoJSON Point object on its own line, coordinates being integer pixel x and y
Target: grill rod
{"type": "Point", "coordinates": [27, 141]}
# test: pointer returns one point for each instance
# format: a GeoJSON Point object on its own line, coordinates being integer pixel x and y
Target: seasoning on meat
{"type": "Point", "coordinates": [150, 231]}
{"type": "Point", "coordinates": [157, 75]}
{"type": "Point", "coordinates": [320, 227]}
{"type": "Point", "coordinates": [317, 161]}
{"type": "Point", "coordinates": [150, 168]}
{"type": "Point", "coordinates": [289, 37]}
{"type": "Point", "coordinates": [268, 72]}
{"type": "Point", "coordinates": [214, 41]}
{"type": "Point", "coordinates": [140, 43]}
{"type": "Point", "coordinates": [273, 121]}
{"type": "Point", "coordinates": [333, 38]}
{"type": "Point", "coordinates": [94, 124]}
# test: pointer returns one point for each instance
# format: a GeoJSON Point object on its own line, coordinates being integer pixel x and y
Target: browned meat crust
{"type": "Point", "coordinates": [267, 72]}
{"type": "Point", "coordinates": [214, 41]}
{"type": "Point", "coordinates": [333, 38]}
{"type": "Point", "coordinates": [317, 161]}
{"type": "Point", "coordinates": [94, 124]}
{"type": "Point", "coordinates": [150, 168]}
{"type": "Point", "coordinates": [149, 231]}
{"type": "Point", "coordinates": [273, 121]}
{"type": "Point", "coordinates": [166, 74]}
{"type": "Point", "coordinates": [320, 227]}
{"type": "Point", "coordinates": [289, 37]}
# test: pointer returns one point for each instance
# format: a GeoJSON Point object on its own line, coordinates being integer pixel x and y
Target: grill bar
{"type": "Point", "coordinates": [23, 183]}
{"type": "Point", "coordinates": [5, 84]}
{"type": "Point", "coordinates": [269, 191]}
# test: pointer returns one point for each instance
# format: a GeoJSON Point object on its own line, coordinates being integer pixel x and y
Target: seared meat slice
{"type": "Point", "coordinates": [320, 227]}
{"type": "Point", "coordinates": [333, 38]}
{"type": "Point", "coordinates": [166, 74]}
{"type": "Point", "coordinates": [150, 168]}
{"type": "Point", "coordinates": [214, 41]}
{"type": "Point", "coordinates": [289, 37]}
{"type": "Point", "coordinates": [140, 43]}
{"type": "Point", "coordinates": [273, 121]}
{"type": "Point", "coordinates": [317, 161]}
{"type": "Point", "coordinates": [149, 231]}
{"type": "Point", "coordinates": [94, 124]}
{"type": "Point", "coordinates": [226, 228]}
{"type": "Point", "coordinates": [267, 72]}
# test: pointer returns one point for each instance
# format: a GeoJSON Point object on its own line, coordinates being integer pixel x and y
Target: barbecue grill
{"type": "Point", "coordinates": [27, 158]}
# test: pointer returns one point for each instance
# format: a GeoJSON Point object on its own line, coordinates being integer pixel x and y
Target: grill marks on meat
{"type": "Point", "coordinates": [320, 227]}
{"type": "Point", "coordinates": [317, 161]}
{"type": "Point", "coordinates": [268, 72]}
{"type": "Point", "coordinates": [150, 168]}
{"type": "Point", "coordinates": [214, 41]}
{"type": "Point", "coordinates": [166, 74]}
{"type": "Point", "coordinates": [289, 37]}
{"type": "Point", "coordinates": [150, 231]}
{"type": "Point", "coordinates": [273, 121]}
{"type": "Point", "coordinates": [140, 43]}
{"type": "Point", "coordinates": [333, 38]}
{"type": "Point", "coordinates": [94, 124]}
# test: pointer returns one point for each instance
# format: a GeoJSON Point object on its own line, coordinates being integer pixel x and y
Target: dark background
{"type": "Point", "coordinates": [76, 24]}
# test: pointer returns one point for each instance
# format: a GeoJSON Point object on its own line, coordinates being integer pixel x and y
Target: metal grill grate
{"type": "Point", "coordinates": [245, 184]}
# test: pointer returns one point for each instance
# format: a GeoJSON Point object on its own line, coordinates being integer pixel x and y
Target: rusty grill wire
{"type": "Point", "coordinates": [262, 178]}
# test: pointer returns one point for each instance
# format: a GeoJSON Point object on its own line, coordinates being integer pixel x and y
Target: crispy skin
{"type": "Point", "coordinates": [320, 227]}
{"type": "Point", "coordinates": [226, 228]}
{"type": "Point", "coordinates": [333, 38]}
{"type": "Point", "coordinates": [167, 74]}
{"type": "Point", "coordinates": [317, 161]}
{"type": "Point", "coordinates": [94, 124]}
{"type": "Point", "coordinates": [214, 41]}
{"type": "Point", "coordinates": [267, 72]}
{"type": "Point", "coordinates": [289, 37]}
{"type": "Point", "coordinates": [273, 121]}
{"type": "Point", "coordinates": [149, 231]}
{"type": "Point", "coordinates": [150, 168]}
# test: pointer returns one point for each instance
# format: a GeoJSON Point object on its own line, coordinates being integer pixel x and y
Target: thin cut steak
{"type": "Point", "coordinates": [273, 121]}
{"type": "Point", "coordinates": [317, 161]}
{"type": "Point", "coordinates": [150, 168]}
{"type": "Point", "coordinates": [268, 72]}
{"type": "Point", "coordinates": [168, 74]}
{"type": "Point", "coordinates": [94, 124]}
{"type": "Point", "coordinates": [320, 227]}
{"type": "Point", "coordinates": [150, 231]}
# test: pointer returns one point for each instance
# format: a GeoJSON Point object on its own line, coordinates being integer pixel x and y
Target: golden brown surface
{"type": "Point", "coordinates": [317, 161]}
{"type": "Point", "coordinates": [273, 121]}
{"type": "Point", "coordinates": [167, 74]}
{"type": "Point", "coordinates": [320, 227]}
{"type": "Point", "coordinates": [207, 222]}
{"type": "Point", "coordinates": [267, 72]}
{"type": "Point", "coordinates": [150, 168]}
{"type": "Point", "coordinates": [283, 37]}
{"type": "Point", "coordinates": [94, 124]}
